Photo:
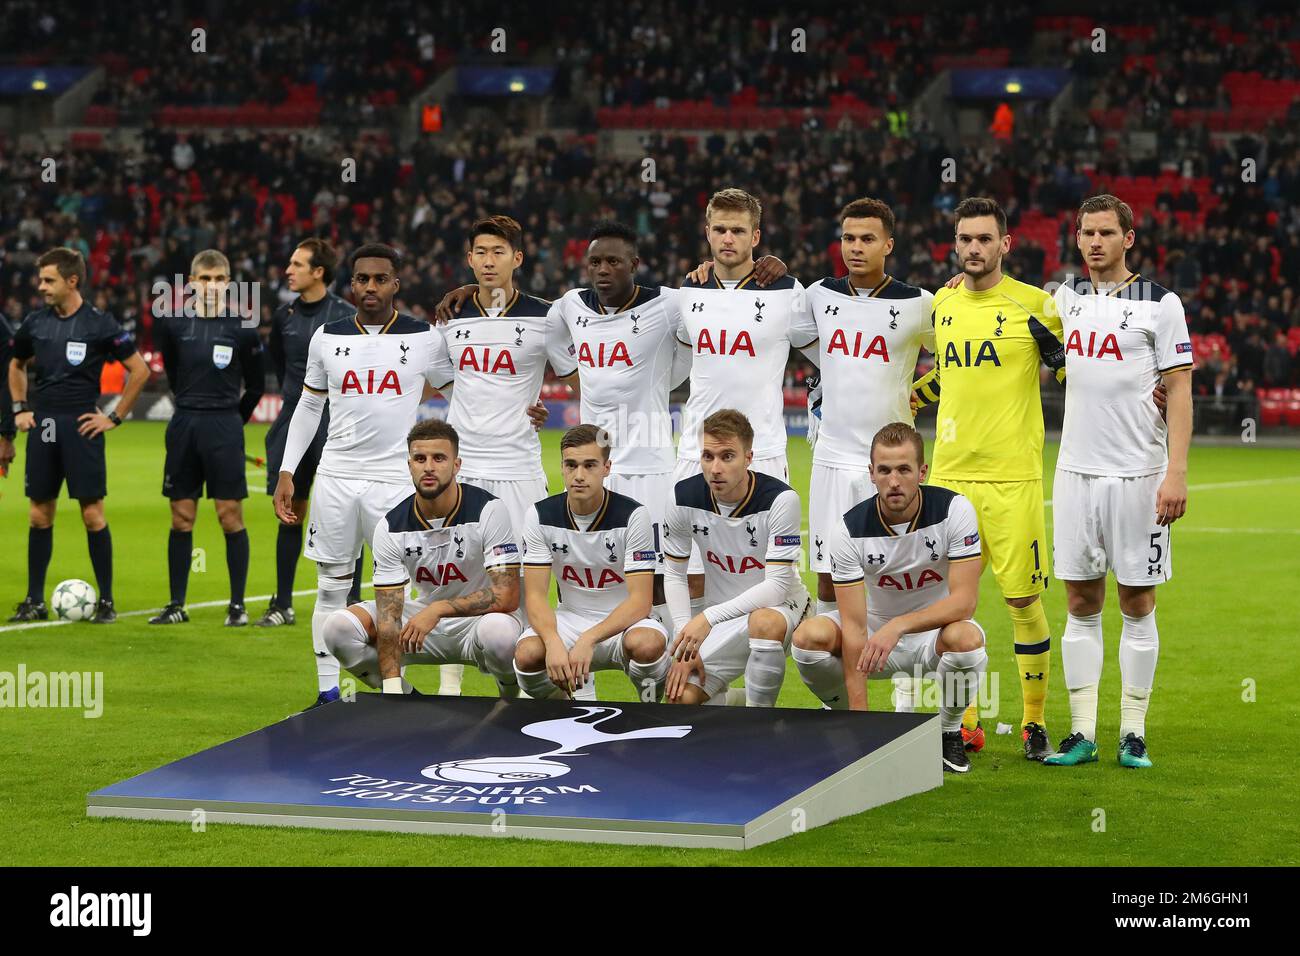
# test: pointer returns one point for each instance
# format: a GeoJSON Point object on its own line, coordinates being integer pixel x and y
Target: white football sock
{"type": "Point", "coordinates": [536, 684]}
{"type": "Point", "coordinates": [764, 672]}
{"type": "Point", "coordinates": [331, 596]}
{"type": "Point", "coordinates": [824, 675]}
{"type": "Point", "coordinates": [648, 679]}
{"type": "Point", "coordinates": [449, 678]}
{"type": "Point", "coordinates": [1139, 648]}
{"type": "Point", "coordinates": [959, 675]}
{"type": "Point", "coordinates": [588, 690]}
{"type": "Point", "coordinates": [1082, 651]}
{"type": "Point", "coordinates": [906, 691]}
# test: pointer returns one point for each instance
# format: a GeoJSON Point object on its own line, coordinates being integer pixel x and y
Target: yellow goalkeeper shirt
{"type": "Point", "coordinates": [988, 346]}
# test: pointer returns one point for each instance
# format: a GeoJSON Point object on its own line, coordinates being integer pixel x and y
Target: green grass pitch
{"type": "Point", "coordinates": [1222, 791]}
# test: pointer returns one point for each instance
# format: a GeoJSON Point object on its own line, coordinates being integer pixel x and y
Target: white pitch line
{"type": "Point", "coordinates": [1211, 486]}
{"type": "Point", "coordinates": [1183, 530]}
{"type": "Point", "coordinates": [247, 601]}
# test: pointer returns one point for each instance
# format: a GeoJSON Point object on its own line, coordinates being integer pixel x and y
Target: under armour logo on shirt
{"type": "Point", "coordinates": [418, 551]}
{"type": "Point", "coordinates": [1076, 309]}
{"type": "Point", "coordinates": [558, 548]}
{"type": "Point", "coordinates": [698, 529]}
{"type": "Point", "coordinates": [462, 333]}
{"type": "Point", "coordinates": [697, 306]}
{"type": "Point", "coordinates": [582, 321]}
{"type": "Point", "coordinates": [875, 559]}
{"type": "Point", "coordinates": [342, 351]}
{"type": "Point", "coordinates": [832, 310]}
{"type": "Point", "coordinates": [946, 320]}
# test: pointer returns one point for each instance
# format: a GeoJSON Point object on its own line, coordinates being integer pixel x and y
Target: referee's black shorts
{"type": "Point", "coordinates": [205, 448]}
{"type": "Point", "coordinates": [277, 436]}
{"type": "Point", "coordinates": [55, 452]}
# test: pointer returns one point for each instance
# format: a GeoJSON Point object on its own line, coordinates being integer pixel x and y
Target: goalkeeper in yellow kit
{"type": "Point", "coordinates": [991, 333]}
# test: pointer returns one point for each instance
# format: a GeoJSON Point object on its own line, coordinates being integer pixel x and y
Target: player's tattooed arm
{"type": "Point", "coordinates": [388, 611]}
{"type": "Point", "coordinates": [501, 597]}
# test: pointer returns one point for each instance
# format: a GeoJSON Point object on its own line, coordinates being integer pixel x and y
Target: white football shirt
{"type": "Point", "coordinates": [906, 570]}
{"type": "Point", "coordinates": [498, 358]}
{"type": "Point", "coordinates": [445, 558]}
{"type": "Point", "coordinates": [868, 343]}
{"type": "Point", "coordinates": [740, 340]}
{"type": "Point", "coordinates": [591, 564]}
{"type": "Point", "coordinates": [736, 548]}
{"type": "Point", "coordinates": [374, 383]}
{"type": "Point", "coordinates": [625, 361]}
{"type": "Point", "coordinates": [1117, 345]}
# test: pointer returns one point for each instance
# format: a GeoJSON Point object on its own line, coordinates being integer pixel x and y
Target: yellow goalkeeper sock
{"type": "Point", "coordinates": [972, 715]}
{"type": "Point", "coordinates": [1034, 658]}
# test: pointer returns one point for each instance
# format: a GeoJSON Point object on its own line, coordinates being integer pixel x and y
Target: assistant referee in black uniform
{"type": "Point", "coordinates": [68, 342]}
{"type": "Point", "coordinates": [206, 357]}
{"type": "Point", "coordinates": [309, 273]}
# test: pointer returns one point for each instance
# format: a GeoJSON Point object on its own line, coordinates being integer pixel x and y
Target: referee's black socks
{"type": "Point", "coordinates": [237, 563]}
{"type": "Point", "coordinates": [179, 552]}
{"type": "Point", "coordinates": [40, 546]}
{"type": "Point", "coordinates": [100, 544]}
{"type": "Point", "coordinates": [288, 545]}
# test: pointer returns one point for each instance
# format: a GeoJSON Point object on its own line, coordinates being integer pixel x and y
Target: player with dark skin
{"type": "Point", "coordinates": [374, 285]}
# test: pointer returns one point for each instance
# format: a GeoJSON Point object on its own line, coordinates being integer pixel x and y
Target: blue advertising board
{"type": "Point", "coordinates": [614, 772]}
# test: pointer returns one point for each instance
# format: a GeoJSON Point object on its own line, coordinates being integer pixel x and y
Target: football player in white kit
{"type": "Point", "coordinates": [373, 368]}
{"type": "Point", "coordinates": [498, 342]}
{"type": "Point", "coordinates": [740, 338]}
{"type": "Point", "coordinates": [1121, 475]}
{"type": "Point", "coordinates": [454, 543]}
{"type": "Point", "coordinates": [747, 525]}
{"type": "Point", "coordinates": [870, 329]}
{"type": "Point", "coordinates": [906, 566]}
{"type": "Point", "coordinates": [599, 546]}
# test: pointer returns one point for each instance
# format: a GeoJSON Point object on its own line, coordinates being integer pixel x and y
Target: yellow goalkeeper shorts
{"type": "Point", "coordinates": [1013, 536]}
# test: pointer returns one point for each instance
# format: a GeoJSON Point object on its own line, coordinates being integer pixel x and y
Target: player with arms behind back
{"type": "Point", "coordinates": [1121, 475]}
{"type": "Point", "coordinates": [906, 564]}
{"type": "Point", "coordinates": [454, 543]}
{"type": "Point", "coordinates": [746, 525]}
{"type": "Point", "coordinates": [372, 367]}
{"type": "Point", "coordinates": [599, 546]}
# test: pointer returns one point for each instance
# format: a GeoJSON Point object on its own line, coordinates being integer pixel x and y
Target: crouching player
{"type": "Point", "coordinates": [746, 526]}
{"type": "Point", "coordinates": [918, 551]}
{"type": "Point", "coordinates": [455, 543]}
{"type": "Point", "coordinates": [600, 546]}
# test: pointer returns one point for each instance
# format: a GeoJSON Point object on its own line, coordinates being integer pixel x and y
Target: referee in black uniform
{"type": "Point", "coordinates": [309, 273]}
{"type": "Point", "coordinates": [206, 357]}
{"type": "Point", "coordinates": [68, 341]}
